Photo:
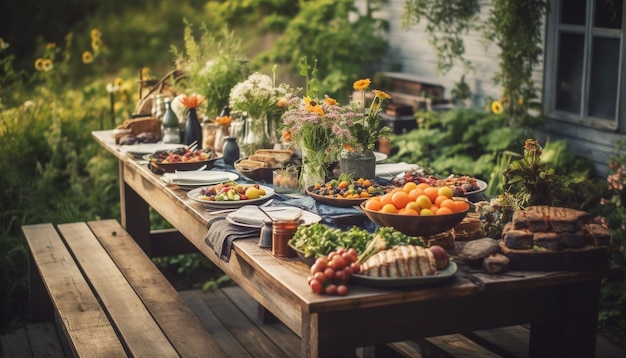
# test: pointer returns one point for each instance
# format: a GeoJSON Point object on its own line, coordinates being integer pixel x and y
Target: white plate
{"type": "Point", "coordinates": [139, 150]}
{"type": "Point", "coordinates": [380, 156]}
{"type": "Point", "coordinates": [195, 196]}
{"type": "Point", "coordinates": [307, 218]}
{"type": "Point", "coordinates": [198, 178]}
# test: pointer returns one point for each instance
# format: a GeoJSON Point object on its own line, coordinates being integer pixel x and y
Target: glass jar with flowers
{"type": "Point", "coordinates": [258, 97]}
{"type": "Point", "coordinates": [357, 157]}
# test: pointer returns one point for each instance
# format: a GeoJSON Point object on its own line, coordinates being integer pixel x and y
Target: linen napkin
{"type": "Point", "coordinates": [221, 234]}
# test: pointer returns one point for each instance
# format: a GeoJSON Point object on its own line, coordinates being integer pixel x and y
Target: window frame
{"type": "Point", "coordinates": [554, 29]}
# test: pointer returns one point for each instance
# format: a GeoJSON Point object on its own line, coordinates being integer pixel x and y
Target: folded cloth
{"type": "Point", "coordinates": [394, 168]}
{"type": "Point", "coordinates": [252, 215]}
{"type": "Point", "coordinates": [221, 234]}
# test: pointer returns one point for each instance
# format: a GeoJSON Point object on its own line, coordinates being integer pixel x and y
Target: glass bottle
{"type": "Point", "coordinates": [171, 129]}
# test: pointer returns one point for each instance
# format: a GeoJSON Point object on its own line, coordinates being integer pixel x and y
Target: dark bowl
{"type": "Point", "coordinates": [416, 225]}
{"type": "Point", "coordinates": [261, 174]}
{"type": "Point", "coordinates": [183, 166]}
{"type": "Point", "coordinates": [339, 202]}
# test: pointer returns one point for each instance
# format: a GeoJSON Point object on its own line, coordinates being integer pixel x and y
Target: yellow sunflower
{"type": "Point", "coordinates": [39, 64]}
{"type": "Point", "coordinates": [362, 85]}
{"type": "Point", "coordinates": [87, 57]}
{"type": "Point", "coordinates": [96, 44]}
{"type": "Point", "coordinates": [47, 65]}
{"type": "Point", "coordinates": [496, 107]}
{"type": "Point", "coordinates": [95, 34]}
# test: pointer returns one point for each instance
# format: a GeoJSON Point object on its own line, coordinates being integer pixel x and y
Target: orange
{"type": "Point", "coordinates": [461, 206]}
{"type": "Point", "coordinates": [426, 212]}
{"type": "Point", "coordinates": [432, 192]}
{"type": "Point", "coordinates": [446, 191]}
{"type": "Point", "coordinates": [439, 199]}
{"type": "Point", "coordinates": [385, 199]}
{"type": "Point", "coordinates": [434, 208]}
{"type": "Point", "coordinates": [408, 186]}
{"type": "Point", "coordinates": [400, 199]}
{"type": "Point", "coordinates": [410, 212]}
{"type": "Point", "coordinates": [413, 194]}
{"type": "Point", "coordinates": [423, 185]}
{"type": "Point", "coordinates": [423, 201]}
{"type": "Point", "coordinates": [450, 204]}
{"type": "Point", "coordinates": [373, 205]}
{"type": "Point", "coordinates": [412, 205]}
{"type": "Point", "coordinates": [389, 209]}
{"type": "Point", "coordinates": [395, 190]}
{"type": "Point", "coordinates": [444, 211]}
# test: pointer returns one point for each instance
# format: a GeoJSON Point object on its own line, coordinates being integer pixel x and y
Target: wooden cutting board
{"type": "Point", "coordinates": [584, 258]}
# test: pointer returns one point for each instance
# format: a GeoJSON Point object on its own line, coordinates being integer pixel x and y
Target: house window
{"type": "Point", "coordinates": [585, 62]}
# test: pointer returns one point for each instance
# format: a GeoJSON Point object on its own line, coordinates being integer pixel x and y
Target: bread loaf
{"type": "Point", "coordinates": [269, 160]}
{"type": "Point", "coordinates": [247, 164]}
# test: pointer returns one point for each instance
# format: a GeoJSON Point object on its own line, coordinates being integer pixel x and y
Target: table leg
{"type": "Point", "coordinates": [573, 333]}
{"type": "Point", "coordinates": [324, 337]}
{"type": "Point", "coordinates": [135, 214]}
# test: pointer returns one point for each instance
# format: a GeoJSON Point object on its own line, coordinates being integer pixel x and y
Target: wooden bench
{"type": "Point", "coordinates": [107, 296]}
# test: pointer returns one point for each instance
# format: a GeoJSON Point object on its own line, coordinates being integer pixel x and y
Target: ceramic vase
{"type": "Point", "coordinates": [230, 150]}
{"type": "Point", "coordinates": [193, 129]}
{"type": "Point", "coordinates": [358, 164]}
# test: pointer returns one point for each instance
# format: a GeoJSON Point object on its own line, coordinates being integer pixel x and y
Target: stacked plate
{"type": "Point", "coordinates": [193, 179]}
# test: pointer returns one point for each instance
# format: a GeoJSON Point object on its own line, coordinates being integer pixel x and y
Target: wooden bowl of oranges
{"type": "Point", "coordinates": [417, 209]}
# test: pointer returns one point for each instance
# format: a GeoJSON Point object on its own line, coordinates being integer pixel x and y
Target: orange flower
{"type": "Point", "coordinates": [330, 101]}
{"type": "Point", "coordinates": [192, 101]}
{"type": "Point", "coordinates": [224, 120]}
{"type": "Point", "coordinates": [381, 94]}
{"type": "Point", "coordinates": [362, 85]}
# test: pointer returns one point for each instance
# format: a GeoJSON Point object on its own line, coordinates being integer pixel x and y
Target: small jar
{"type": "Point", "coordinates": [282, 232]}
{"type": "Point", "coordinates": [265, 239]}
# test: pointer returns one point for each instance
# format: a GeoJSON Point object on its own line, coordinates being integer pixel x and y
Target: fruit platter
{"type": "Point", "coordinates": [170, 161]}
{"type": "Point", "coordinates": [462, 185]}
{"type": "Point", "coordinates": [231, 195]}
{"type": "Point", "coordinates": [345, 192]}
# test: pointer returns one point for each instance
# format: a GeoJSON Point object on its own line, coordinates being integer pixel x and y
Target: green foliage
{"type": "Point", "coordinates": [612, 213]}
{"type": "Point", "coordinates": [447, 22]}
{"type": "Point", "coordinates": [461, 141]}
{"type": "Point", "coordinates": [346, 49]}
{"type": "Point", "coordinates": [544, 178]}
{"type": "Point", "coordinates": [213, 65]}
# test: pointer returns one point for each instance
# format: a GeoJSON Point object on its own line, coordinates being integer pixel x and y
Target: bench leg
{"type": "Point", "coordinates": [40, 304]}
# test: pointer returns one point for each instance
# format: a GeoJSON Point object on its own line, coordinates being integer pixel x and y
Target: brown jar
{"type": "Point", "coordinates": [282, 232]}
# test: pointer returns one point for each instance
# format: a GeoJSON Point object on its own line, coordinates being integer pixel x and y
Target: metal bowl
{"type": "Point", "coordinates": [415, 225]}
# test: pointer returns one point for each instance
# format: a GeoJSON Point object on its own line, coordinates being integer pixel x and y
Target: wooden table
{"type": "Point", "coordinates": [562, 307]}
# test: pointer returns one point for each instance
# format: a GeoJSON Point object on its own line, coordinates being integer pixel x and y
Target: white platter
{"type": "Point", "coordinates": [198, 178]}
{"type": "Point", "coordinates": [195, 196]}
{"type": "Point", "coordinates": [307, 218]}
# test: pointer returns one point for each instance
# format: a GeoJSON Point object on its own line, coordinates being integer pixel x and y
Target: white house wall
{"type": "Point", "coordinates": [411, 53]}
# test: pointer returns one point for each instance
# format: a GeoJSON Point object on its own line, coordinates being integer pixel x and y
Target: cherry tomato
{"type": "Point", "coordinates": [338, 262]}
{"type": "Point", "coordinates": [319, 276]}
{"type": "Point", "coordinates": [340, 251]}
{"type": "Point", "coordinates": [342, 290]}
{"type": "Point", "coordinates": [329, 272]}
{"type": "Point", "coordinates": [356, 267]}
{"type": "Point", "coordinates": [316, 286]}
{"type": "Point", "coordinates": [331, 289]}
{"type": "Point", "coordinates": [352, 251]}
{"type": "Point", "coordinates": [348, 257]}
